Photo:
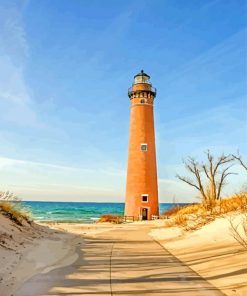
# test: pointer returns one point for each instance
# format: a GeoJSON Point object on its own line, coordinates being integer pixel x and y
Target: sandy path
{"type": "Point", "coordinates": [124, 261]}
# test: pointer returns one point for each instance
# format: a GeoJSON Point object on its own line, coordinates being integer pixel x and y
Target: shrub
{"type": "Point", "coordinates": [110, 218]}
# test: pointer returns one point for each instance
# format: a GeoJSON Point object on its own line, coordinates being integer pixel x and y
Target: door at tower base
{"type": "Point", "coordinates": [141, 201]}
{"type": "Point", "coordinates": [144, 214]}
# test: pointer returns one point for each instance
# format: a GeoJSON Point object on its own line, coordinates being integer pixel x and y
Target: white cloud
{"type": "Point", "coordinates": [8, 163]}
{"type": "Point", "coordinates": [12, 32]}
{"type": "Point", "coordinates": [47, 181]}
{"type": "Point", "coordinates": [15, 102]}
{"type": "Point", "coordinates": [210, 60]}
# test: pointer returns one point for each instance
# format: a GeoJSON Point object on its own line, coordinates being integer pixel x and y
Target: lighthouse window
{"type": "Point", "coordinates": [143, 101]}
{"type": "Point", "coordinates": [144, 147]}
{"type": "Point", "coordinates": [144, 197]}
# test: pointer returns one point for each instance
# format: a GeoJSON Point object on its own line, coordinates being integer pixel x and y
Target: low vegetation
{"type": "Point", "coordinates": [191, 217]}
{"type": "Point", "coordinates": [171, 211]}
{"type": "Point", "coordinates": [13, 208]}
{"type": "Point", "coordinates": [110, 218]}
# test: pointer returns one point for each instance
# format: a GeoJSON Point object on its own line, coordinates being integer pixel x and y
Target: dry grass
{"type": "Point", "coordinates": [14, 212]}
{"type": "Point", "coordinates": [192, 217]}
{"type": "Point", "coordinates": [173, 210]}
{"type": "Point", "coordinates": [237, 202]}
{"type": "Point", "coordinates": [181, 220]}
{"type": "Point", "coordinates": [12, 207]}
{"type": "Point", "coordinates": [192, 209]}
{"type": "Point", "coordinates": [110, 218]}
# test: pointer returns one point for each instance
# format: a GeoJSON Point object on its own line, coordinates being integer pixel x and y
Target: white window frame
{"type": "Point", "coordinates": [146, 196]}
{"type": "Point", "coordinates": [146, 145]}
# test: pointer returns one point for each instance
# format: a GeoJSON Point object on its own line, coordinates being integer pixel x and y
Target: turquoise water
{"type": "Point", "coordinates": [80, 212]}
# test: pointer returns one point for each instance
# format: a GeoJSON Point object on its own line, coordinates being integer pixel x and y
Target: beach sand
{"type": "Point", "coordinates": [210, 251]}
{"type": "Point", "coordinates": [30, 249]}
{"type": "Point", "coordinates": [126, 259]}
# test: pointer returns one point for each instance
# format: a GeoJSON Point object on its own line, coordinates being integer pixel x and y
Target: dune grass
{"type": "Point", "coordinates": [193, 216]}
{"type": "Point", "coordinates": [13, 208]}
{"type": "Point", "coordinates": [237, 202]}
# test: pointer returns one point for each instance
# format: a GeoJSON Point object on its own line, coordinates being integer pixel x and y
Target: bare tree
{"type": "Point", "coordinates": [239, 159]}
{"type": "Point", "coordinates": [210, 177]}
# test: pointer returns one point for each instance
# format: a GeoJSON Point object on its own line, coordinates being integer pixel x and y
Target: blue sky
{"type": "Point", "coordinates": [65, 67]}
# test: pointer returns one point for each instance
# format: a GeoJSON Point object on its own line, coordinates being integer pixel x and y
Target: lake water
{"type": "Point", "coordinates": [80, 212]}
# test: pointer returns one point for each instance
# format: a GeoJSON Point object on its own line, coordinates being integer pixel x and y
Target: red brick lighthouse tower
{"type": "Point", "coordinates": [141, 188]}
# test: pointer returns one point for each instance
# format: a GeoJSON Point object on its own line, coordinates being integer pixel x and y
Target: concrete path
{"type": "Point", "coordinates": [125, 261]}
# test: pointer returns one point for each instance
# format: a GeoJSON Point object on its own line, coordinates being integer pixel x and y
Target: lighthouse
{"type": "Point", "coordinates": [141, 201]}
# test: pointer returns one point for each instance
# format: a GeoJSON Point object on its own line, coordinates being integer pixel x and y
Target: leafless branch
{"type": "Point", "coordinates": [224, 175]}
{"type": "Point", "coordinates": [241, 238]}
{"type": "Point", "coordinates": [239, 159]}
{"type": "Point", "coordinates": [188, 181]}
{"type": "Point", "coordinates": [206, 171]}
{"type": "Point", "coordinates": [216, 179]}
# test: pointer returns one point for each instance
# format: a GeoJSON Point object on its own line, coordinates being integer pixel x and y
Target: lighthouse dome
{"type": "Point", "coordinates": [141, 77]}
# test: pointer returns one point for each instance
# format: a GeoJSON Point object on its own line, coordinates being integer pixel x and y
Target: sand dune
{"type": "Point", "coordinates": [210, 251]}
{"type": "Point", "coordinates": [30, 249]}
